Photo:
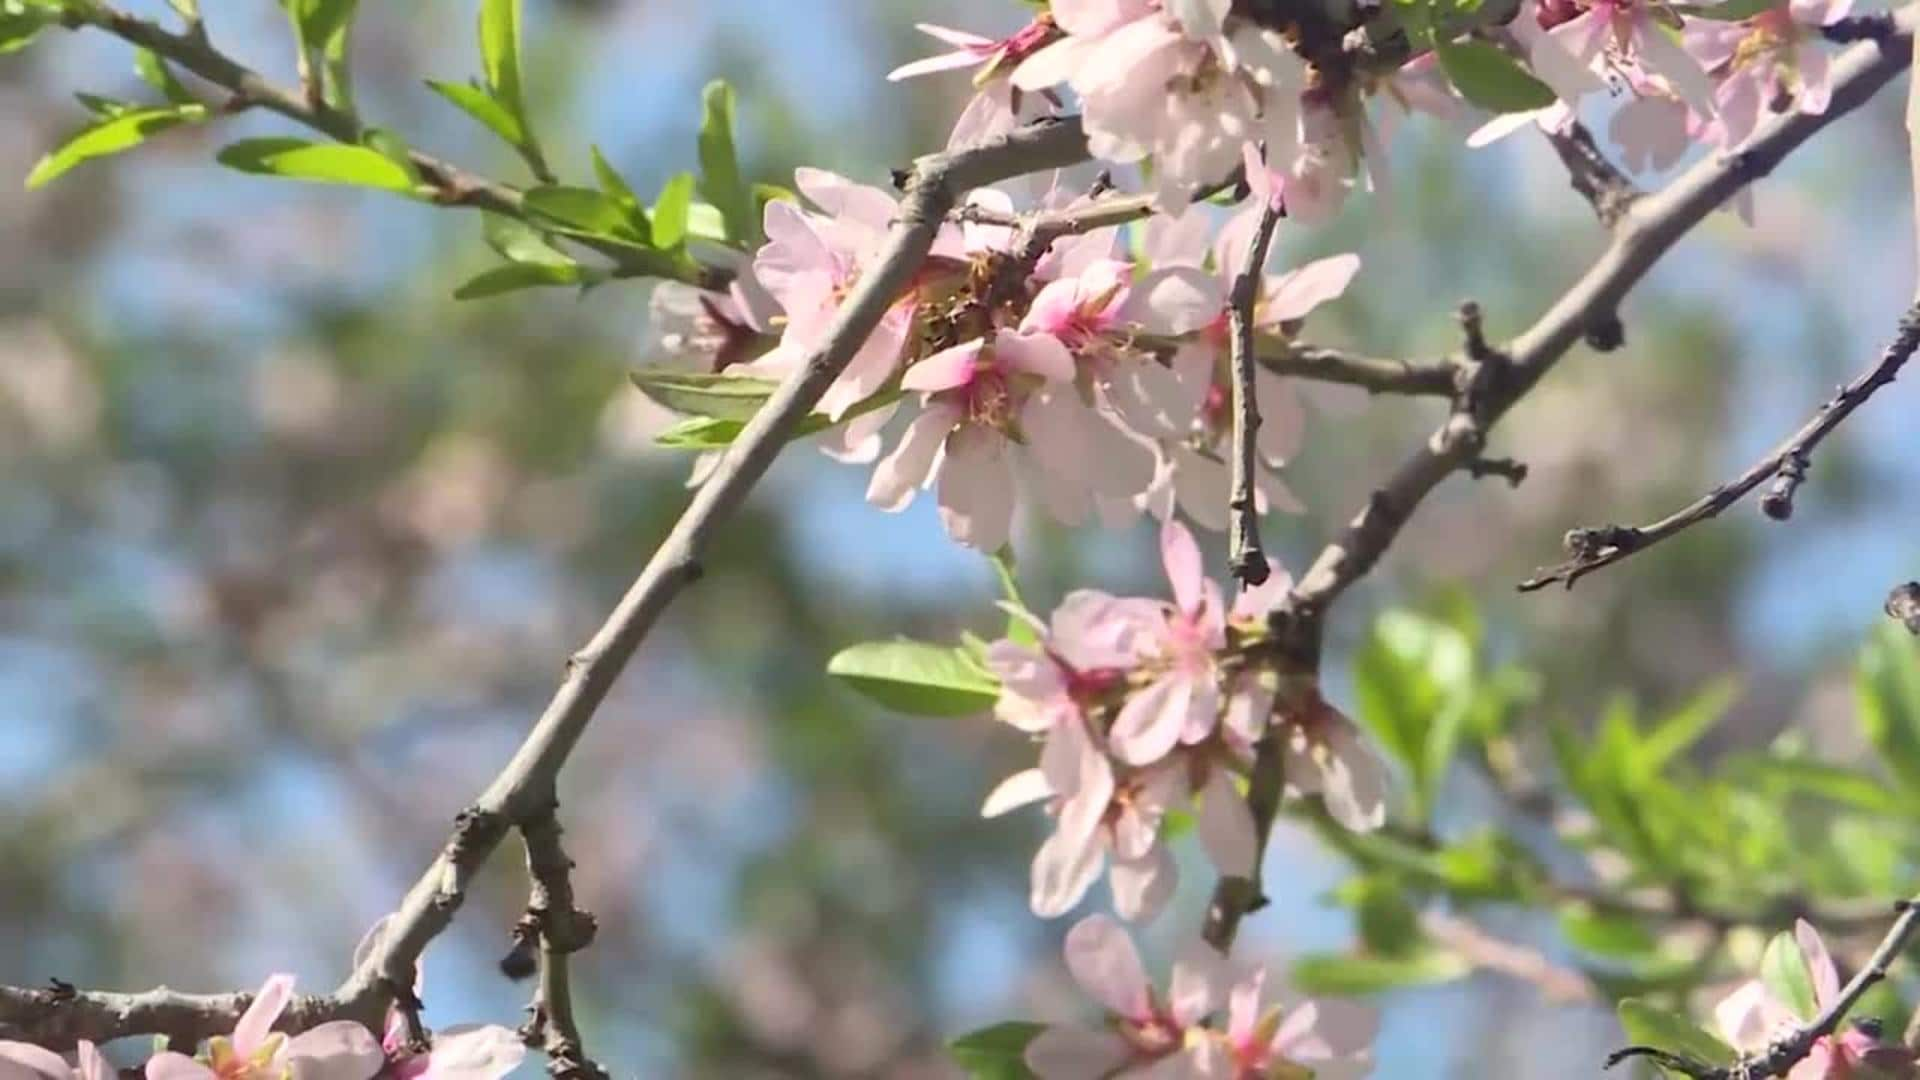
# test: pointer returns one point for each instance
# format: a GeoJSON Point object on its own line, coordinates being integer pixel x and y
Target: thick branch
{"type": "Point", "coordinates": [1786, 466]}
{"type": "Point", "coordinates": [1247, 561]}
{"type": "Point", "coordinates": [560, 929]}
{"type": "Point", "coordinates": [526, 783]}
{"type": "Point", "coordinates": [1644, 233]}
{"type": "Point", "coordinates": [59, 1016]}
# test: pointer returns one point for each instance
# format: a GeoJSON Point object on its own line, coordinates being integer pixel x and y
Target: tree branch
{"type": "Point", "coordinates": [1247, 561]}
{"type": "Point", "coordinates": [1609, 191]}
{"type": "Point", "coordinates": [59, 1016]}
{"type": "Point", "coordinates": [1592, 548]}
{"type": "Point", "coordinates": [1413, 377]}
{"type": "Point", "coordinates": [523, 788]}
{"type": "Point", "coordinates": [1644, 233]}
{"type": "Point", "coordinates": [561, 929]}
{"type": "Point", "coordinates": [1236, 897]}
{"type": "Point", "coordinates": [453, 186]}
{"type": "Point", "coordinates": [1790, 1049]}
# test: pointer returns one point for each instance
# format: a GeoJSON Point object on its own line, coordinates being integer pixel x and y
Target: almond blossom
{"type": "Point", "coordinates": [25, 1061]}
{"type": "Point", "coordinates": [458, 1052]}
{"type": "Point", "coordinates": [1175, 1037]}
{"type": "Point", "coordinates": [1637, 36]}
{"type": "Point", "coordinates": [336, 1050]}
{"type": "Point", "coordinates": [997, 104]}
{"type": "Point", "coordinates": [1752, 1018]}
{"type": "Point", "coordinates": [1774, 56]}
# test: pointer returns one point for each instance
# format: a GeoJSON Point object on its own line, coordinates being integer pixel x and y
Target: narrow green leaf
{"type": "Point", "coordinates": [725, 397]}
{"type": "Point", "coordinates": [155, 73]}
{"type": "Point", "coordinates": [1490, 78]}
{"type": "Point", "coordinates": [670, 212]}
{"type": "Point", "coordinates": [1783, 967]}
{"type": "Point", "coordinates": [516, 241]}
{"type": "Point", "coordinates": [997, 1052]}
{"type": "Point", "coordinates": [505, 279]}
{"type": "Point", "coordinates": [110, 136]}
{"type": "Point", "coordinates": [916, 678]}
{"type": "Point", "coordinates": [1605, 934]}
{"type": "Point", "coordinates": [583, 210]}
{"type": "Point", "coordinates": [392, 147]}
{"type": "Point", "coordinates": [700, 433]}
{"type": "Point", "coordinates": [19, 28]}
{"type": "Point", "coordinates": [482, 106]}
{"type": "Point", "coordinates": [322, 163]}
{"type": "Point", "coordinates": [1020, 629]}
{"type": "Point", "coordinates": [500, 50]}
{"type": "Point", "coordinates": [319, 20]}
{"type": "Point", "coordinates": [1647, 1024]}
{"type": "Point", "coordinates": [1353, 976]}
{"type": "Point", "coordinates": [721, 182]}
{"type": "Point", "coordinates": [1887, 696]}
{"type": "Point", "coordinates": [1684, 726]}
{"type": "Point", "coordinates": [1726, 11]}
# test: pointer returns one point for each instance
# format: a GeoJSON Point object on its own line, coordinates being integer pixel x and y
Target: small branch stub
{"type": "Point", "coordinates": [1903, 605]}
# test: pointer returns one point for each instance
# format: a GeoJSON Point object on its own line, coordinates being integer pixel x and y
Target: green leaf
{"type": "Point", "coordinates": [392, 147]}
{"type": "Point", "coordinates": [700, 433]}
{"type": "Point", "coordinates": [506, 279]}
{"type": "Point", "coordinates": [1490, 78]}
{"type": "Point", "coordinates": [721, 182]}
{"type": "Point", "coordinates": [500, 51]}
{"type": "Point", "coordinates": [1414, 679]}
{"type": "Point", "coordinates": [997, 1052]}
{"type": "Point", "coordinates": [583, 210]}
{"type": "Point", "coordinates": [1020, 629]}
{"type": "Point", "coordinates": [110, 136]}
{"type": "Point", "coordinates": [916, 677]}
{"type": "Point", "coordinates": [670, 212]}
{"type": "Point", "coordinates": [705, 223]}
{"type": "Point", "coordinates": [1783, 967]}
{"type": "Point", "coordinates": [612, 182]}
{"type": "Point", "coordinates": [1887, 688]}
{"type": "Point", "coordinates": [1649, 1025]}
{"type": "Point", "coordinates": [1728, 11]}
{"type": "Point", "coordinates": [1388, 923]}
{"type": "Point", "coordinates": [155, 72]}
{"type": "Point", "coordinates": [1604, 933]}
{"type": "Point", "coordinates": [726, 397]}
{"type": "Point", "coordinates": [319, 20]}
{"type": "Point", "coordinates": [1780, 776]}
{"type": "Point", "coordinates": [1681, 729]}
{"type": "Point", "coordinates": [1353, 976]}
{"type": "Point", "coordinates": [516, 241]}
{"type": "Point", "coordinates": [480, 104]}
{"type": "Point", "coordinates": [323, 163]}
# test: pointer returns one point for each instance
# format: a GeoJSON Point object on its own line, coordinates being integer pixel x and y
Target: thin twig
{"type": "Point", "coordinates": [1789, 1050]}
{"type": "Point", "coordinates": [1903, 606]}
{"type": "Point", "coordinates": [59, 1015]}
{"type": "Point", "coordinates": [1589, 549]}
{"type": "Point", "coordinates": [1235, 897]}
{"type": "Point", "coordinates": [562, 929]}
{"type": "Point", "coordinates": [1652, 227]}
{"type": "Point", "coordinates": [1434, 377]}
{"type": "Point", "coordinates": [1246, 560]}
{"type": "Point", "coordinates": [1609, 191]}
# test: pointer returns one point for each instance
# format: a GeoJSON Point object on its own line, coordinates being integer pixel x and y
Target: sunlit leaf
{"type": "Point", "coordinates": [584, 210]}
{"type": "Point", "coordinates": [721, 182]}
{"type": "Point", "coordinates": [1342, 976]}
{"type": "Point", "coordinates": [479, 103]}
{"type": "Point", "coordinates": [506, 279]}
{"type": "Point", "coordinates": [670, 212]}
{"type": "Point", "coordinates": [916, 677]}
{"type": "Point", "coordinates": [324, 163]}
{"type": "Point", "coordinates": [110, 136]}
{"type": "Point", "coordinates": [726, 397]}
{"type": "Point", "coordinates": [1647, 1024]}
{"type": "Point", "coordinates": [1491, 79]}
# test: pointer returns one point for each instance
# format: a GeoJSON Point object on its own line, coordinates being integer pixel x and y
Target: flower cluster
{"type": "Point", "coordinates": [1074, 379]}
{"type": "Point", "coordinates": [1144, 707]}
{"type": "Point", "coordinates": [1178, 1036]}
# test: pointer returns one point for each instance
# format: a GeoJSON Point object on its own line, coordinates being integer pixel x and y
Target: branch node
{"type": "Point", "coordinates": [1903, 604]}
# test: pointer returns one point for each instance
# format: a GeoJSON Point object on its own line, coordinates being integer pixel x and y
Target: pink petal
{"type": "Point", "coordinates": [945, 370]}
{"type": "Point", "coordinates": [900, 472]}
{"type": "Point", "coordinates": [339, 1050]}
{"type": "Point", "coordinates": [1025, 671]}
{"type": "Point", "coordinates": [842, 198]}
{"type": "Point", "coordinates": [1063, 870]}
{"type": "Point", "coordinates": [1663, 55]}
{"type": "Point", "coordinates": [1151, 721]}
{"type": "Point", "coordinates": [1023, 788]}
{"type": "Point", "coordinates": [932, 64]}
{"type": "Point", "coordinates": [1826, 981]}
{"type": "Point", "coordinates": [1199, 975]}
{"type": "Point", "coordinates": [1185, 572]}
{"type": "Point", "coordinates": [265, 1008]}
{"type": "Point", "coordinates": [1816, 79]}
{"type": "Point", "coordinates": [1355, 783]}
{"type": "Point", "coordinates": [1283, 421]}
{"type": "Point", "coordinates": [1243, 1005]}
{"type": "Point", "coordinates": [959, 39]}
{"type": "Point", "coordinates": [172, 1065]}
{"type": "Point", "coordinates": [1052, 65]}
{"type": "Point", "coordinates": [1293, 294]}
{"type": "Point", "coordinates": [475, 1052]}
{"type": "Point", "coordinates": [976, 489]}
{"type": "Point", "coordinates": [1226, 827]}
{"type": "Point", "coordinates": [1101, 956]}
{"type": "Point", "coordinates": [93, 1065]}
{"type": "Point", "coordinates": [1173, 300]}
{"type": "Point", "coordinates": [1035, 354]}
{"type": "Point", "coordinates": [1141, 887]}
{"type": "Point", "coordinates": [24, 1061]}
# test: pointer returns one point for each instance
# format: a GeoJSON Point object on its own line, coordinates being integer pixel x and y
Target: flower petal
{"type": "Point", "coordinates": [25, 1061]}
{"type": "Point", "coordinates": [1021, 789]}
{"type": "Point", "coordinates": [173, 1065]}
{"type": "Point", "coordinates": [1072, 1053]}
{"type": "Point", "coordinates": [1101, 956]}
{"type": "Point", "coordinates": [1180, 556]}
{"type": "Point", "coordinates": [475, 1052]}
{"type": "Point", "coordinates": [265, 1008]}
{"type": "Point", "coordinates": [338, 1050]}
{"type": "Point", "coordinates": [1226, 827]}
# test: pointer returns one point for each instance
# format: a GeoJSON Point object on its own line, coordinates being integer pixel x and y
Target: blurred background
{"type": "Point", "coordinates": [293, 546]}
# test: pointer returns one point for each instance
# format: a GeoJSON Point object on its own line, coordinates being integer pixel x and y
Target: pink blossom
{"type": "Point", "coordinates": [1180, 702]}
{"type": "Point", "coordinates": [25, 1061]}
{"type": "Point", "coordinates": [1325, 755]}
{"type": "Point", "coordinates": [1329, 1040]}
{"type": "Point", "coordinates": [1141, 1027]}
{"type": "Point", "coordinates": [1631, 37]}
{"type": "Point", "coordinates": [459, 1052]}
{"type": "Point", "coordinates": [997, 104]}
{"type": "Point", "coordinates": [1774, 56]}
{"type": "Point", "coordinates": [337, 1050]}
{"type": "Point", "coordinates": [811, 261]}
{"type": "Point", "coordinates": [1752, 1018]}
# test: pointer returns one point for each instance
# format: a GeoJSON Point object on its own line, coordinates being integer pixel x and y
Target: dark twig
{"type": "Point", "coordinates": [1903, 604]}
{"type": "Point", "coordinates": [1790, 1049]}
{"type": "Point", "coordinates": [1236, 897]}
{"type": "Point", "coordinates": [1786, 465]}
{"type": "Point", "coordinates": [1608, 190]}
{"type": "Point", "coordinates": [561, 929]}
{"type": "Point", "coordinates": [1512, 471]}
{"type": "Point", "coordinates": [1648, 230]}
{"type": "Point", "coordinates": [1433, 377]}
{"type": "Point", "coordinates": [1247, 561]}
